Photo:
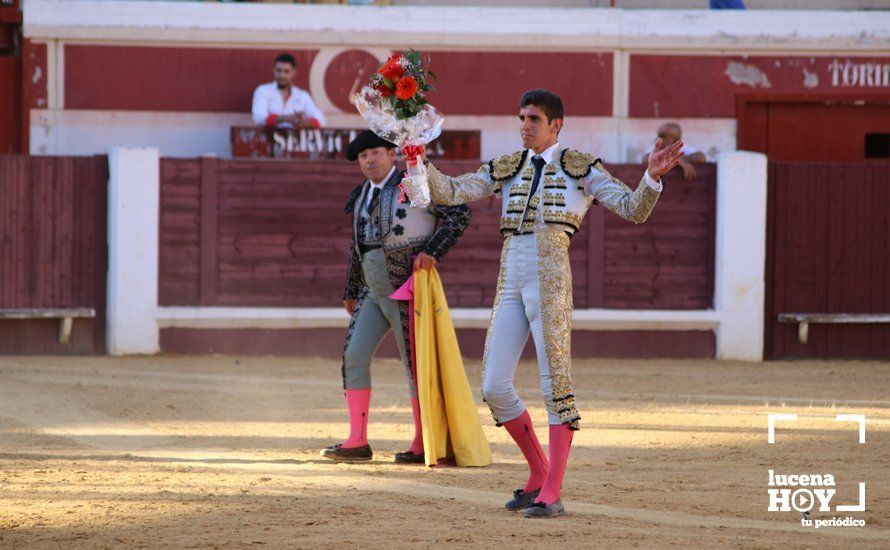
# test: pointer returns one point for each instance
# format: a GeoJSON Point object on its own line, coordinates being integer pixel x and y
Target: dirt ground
{"type": "Point", "coordinates": [222, 452]}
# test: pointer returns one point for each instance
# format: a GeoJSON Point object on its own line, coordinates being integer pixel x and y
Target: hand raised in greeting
{"type": "Point", "coordinates": [662, 160]}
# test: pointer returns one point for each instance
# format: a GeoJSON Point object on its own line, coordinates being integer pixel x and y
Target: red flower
{"type": "Point", "coordinates": [392, 69]}
{"type": "Point", "coordinates": [384, 90]}
{"type": "Point", "coordinates": [406, 88]}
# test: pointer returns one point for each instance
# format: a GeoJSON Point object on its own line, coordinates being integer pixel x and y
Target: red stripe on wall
{"type": "Point", "coordinates": [328, 342]}
{"type": "Point", "coordinates": [705, 86]}
{"type": "Point", "coordinates": [170, 79]}
{"type": "Point", "coordinates": [206, 79]}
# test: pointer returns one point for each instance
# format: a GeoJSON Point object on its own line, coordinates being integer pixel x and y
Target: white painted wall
{"type": "Point", "coordinates": [133, 221]}
{"type": "Point", "coordinates": [446, 27]}
{"type": "Point", "coordinates": [188, 135]}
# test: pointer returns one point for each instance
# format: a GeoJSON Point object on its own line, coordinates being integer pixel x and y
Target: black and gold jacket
{"type": "Point", "coordinates": [405, 232]}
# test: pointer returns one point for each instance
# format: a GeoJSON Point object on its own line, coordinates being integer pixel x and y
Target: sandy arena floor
{"type": "Point", "coordinates": [222, 452]}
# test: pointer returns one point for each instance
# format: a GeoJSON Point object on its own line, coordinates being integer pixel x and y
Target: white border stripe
{"type": "Point", "coordinates": [303, 318]}
{"type": "Point", "coordinates": [424, 26]}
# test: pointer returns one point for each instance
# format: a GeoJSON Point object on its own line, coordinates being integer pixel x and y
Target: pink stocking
{"type": "Point", "coordinates": [359, 402]}
{"type": "Point", "coordinates": [523, 433]}
{"type": "Point", "coordinates": [560, 443]}
{"type": "Point", "coordinates": [416, 445]}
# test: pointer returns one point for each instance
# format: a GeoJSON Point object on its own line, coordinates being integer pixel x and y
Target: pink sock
{"type": "Point", "coordinates": [560, 443]}
{"type": "Point", "coordinates": [523, 433]}
{"type": "Point", "coordinates": [359, 402]}
{"type": "Point", "coordinates": [416, 445]}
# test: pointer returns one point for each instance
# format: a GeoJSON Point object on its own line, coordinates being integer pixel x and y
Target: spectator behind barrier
{"type": "Point", "coordinates": [280, 103]}
{"type": "Point", "coordinates": [670, 133]}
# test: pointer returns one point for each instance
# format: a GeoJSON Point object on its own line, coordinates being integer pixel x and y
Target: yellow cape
{"type": "Point", "coordinates": [448, 413]}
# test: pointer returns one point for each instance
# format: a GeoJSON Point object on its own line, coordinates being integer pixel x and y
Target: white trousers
{"type": "Point", "coordinates": [517, 313]}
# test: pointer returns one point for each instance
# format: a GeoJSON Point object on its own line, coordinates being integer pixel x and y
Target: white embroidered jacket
{"type": "Point", "coordinates": [571, 181]}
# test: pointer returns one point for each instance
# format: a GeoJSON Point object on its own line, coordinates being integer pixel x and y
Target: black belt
{"type": "Point", "coordinates": [364, 248]}
{"type": "Point", "coordinates": [514, 233]}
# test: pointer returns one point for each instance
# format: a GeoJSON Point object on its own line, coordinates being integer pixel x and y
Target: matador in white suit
{"type": "Point", "coordinates": [546, 190]}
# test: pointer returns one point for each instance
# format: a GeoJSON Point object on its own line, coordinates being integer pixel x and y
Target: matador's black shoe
{"type": "Point", "coordinates": [339, 453]}
{"type": "Point", "coordinates": [521, 499]}
{"type": "Point", "coordinates": [541, 510]}
{"type": "Point", "coordinates": [408, 457]}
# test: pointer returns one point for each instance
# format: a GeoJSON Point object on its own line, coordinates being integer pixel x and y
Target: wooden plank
{"type": "Point", "coordinates": [209, 275]}
{"type": "Point", "coordinates": [596, 256]}
{"type": "Point", "coordinates": [820, 182]}
{"type": "Point", "coordinates": [880, 250]}
{"type": "Point", "coordinates": [8, 231]}
{"type": "Point", "coordinates": [63, 192]}
{"type": "Point", "coordinates": [98, 189]}
{"type": "Point", "coordinates": [779, 248]}
{"type": "Point", "coordinates": [857, 260]}
{"type": "Point", "coordinates": [180, 239]}
{"type": "Point", "coordinates": [48, 313]}
{"type": "Point", "coordinates": [836, 242]}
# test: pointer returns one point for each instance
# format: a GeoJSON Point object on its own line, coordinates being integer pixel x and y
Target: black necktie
{"type": "Point", "coordinates": [375, 198]}
{"type": "Point", "coordinates": [539, 167]}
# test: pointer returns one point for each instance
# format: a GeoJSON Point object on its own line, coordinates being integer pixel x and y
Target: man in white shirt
{"type": "Point", "coordinates": [545, 189]}
{"type": "Point", "coordinates": [280, 103]}
{"type": "Point", "coordinates": [670, 133]}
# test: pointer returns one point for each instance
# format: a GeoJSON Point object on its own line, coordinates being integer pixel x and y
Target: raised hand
{"type": "Point", "coordinates": [661, 161]}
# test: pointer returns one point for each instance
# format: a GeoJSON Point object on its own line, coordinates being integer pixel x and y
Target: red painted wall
{"type": "Point", "coordinates": [705, 86]}
{"type": "Point", "coordinates": [828, 130]}
{"type": "Point", "coordinates": [10, 104]}
{"type": "Point", "coordinates": [208, 79]}
{"type": "Point", "coordinates": [490, 83]}
{"type": "Point", "coordinates": [170, 79]}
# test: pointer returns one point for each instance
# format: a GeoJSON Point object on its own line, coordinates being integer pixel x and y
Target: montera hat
{"type": "Point", "coordinates": [365, 140]}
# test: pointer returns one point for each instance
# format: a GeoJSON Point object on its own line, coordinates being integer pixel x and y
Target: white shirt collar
{"type": "Point", "coordinates": [547, 154]}
{"type": "Point", "coordinates": [385, 179]}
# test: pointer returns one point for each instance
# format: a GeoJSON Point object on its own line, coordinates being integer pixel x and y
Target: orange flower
{"type": "Point", "coordinates": [406, 88]}
{"type": "Point", "coordinates": [391, 69]}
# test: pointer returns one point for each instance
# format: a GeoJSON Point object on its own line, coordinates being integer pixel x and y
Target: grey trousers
{"type": "Point", "coordinates": [374, 316]}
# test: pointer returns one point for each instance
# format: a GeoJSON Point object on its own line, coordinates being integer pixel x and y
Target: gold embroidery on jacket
{"type": "Point", "coordinates": [505, 167]}
{"type": "Point", "coordinates": [577, 164]}
{"type": "Point", "coordinates": [554, 199]}
{"type": "Point", "coordinates": [561, 216]}
{"type": "Point", "coordinates": [555, 291]}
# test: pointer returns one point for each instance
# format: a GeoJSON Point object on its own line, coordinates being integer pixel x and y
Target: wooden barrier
{"type": "Point", "coordinates": [52, 252]}
{"type": "Point", "coordinates": [259, 233]}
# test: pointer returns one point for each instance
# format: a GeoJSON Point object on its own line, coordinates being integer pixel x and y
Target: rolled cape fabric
{"type": "Point", "coordinates": [452, 429]}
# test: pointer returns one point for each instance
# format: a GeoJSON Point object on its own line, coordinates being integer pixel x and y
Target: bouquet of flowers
{"type": "Point", "coordinates": [395, 108]}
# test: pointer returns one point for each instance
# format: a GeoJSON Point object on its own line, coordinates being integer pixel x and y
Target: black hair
{"type": "Point", "coordinates": [545, 100]}
{"type": "Point", "coordinates": [286, 58]}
